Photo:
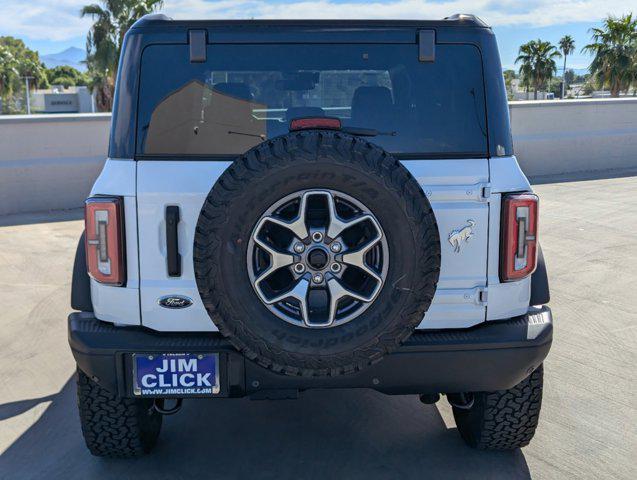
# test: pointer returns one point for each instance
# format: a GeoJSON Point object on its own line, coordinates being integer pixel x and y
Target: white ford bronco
{"type": "Point", "coordinates": [292, 205]}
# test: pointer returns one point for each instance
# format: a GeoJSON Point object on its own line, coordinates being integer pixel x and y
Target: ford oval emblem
{"type": "Point", "coordinates": [175, 301]}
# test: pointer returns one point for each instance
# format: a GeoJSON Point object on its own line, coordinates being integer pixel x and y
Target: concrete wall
{"type": "Point", "coordinates": [49, 162]}
{"type": "Point", "coordinates": [571, 136]}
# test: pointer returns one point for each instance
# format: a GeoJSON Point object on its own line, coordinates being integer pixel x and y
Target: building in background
{"type": "Point", "coordinates": [58, 99]}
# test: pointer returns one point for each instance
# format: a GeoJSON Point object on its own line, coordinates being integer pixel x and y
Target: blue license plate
{"type": "Point", "coordinates": [176, 374]}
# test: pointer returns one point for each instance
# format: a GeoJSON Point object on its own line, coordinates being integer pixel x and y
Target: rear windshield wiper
{"type": "Point", "coordinates": [260, 135]}
{"type": "Point", "coordinates": [366, 132]}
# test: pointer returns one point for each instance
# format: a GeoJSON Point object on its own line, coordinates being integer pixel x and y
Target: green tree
{"type": "Point", "coordinates": [509, 76]}
{"type": "Point", "coordinates": [66, 76]}
{"type": "Point", "coordinates": [567, 46]}
{"type": "Point", "coordinates": [9, 74]}
{"type": "Point", "coordinates": [614, 47]}
{"type": "Point", "coordinates": [112, 19]}
{"type": "Point", "coordinates": [27, 61]}
{"type": "Point", "coordinates": [537, 59]}
{"type": "Point", "coordinates": [16, 62]}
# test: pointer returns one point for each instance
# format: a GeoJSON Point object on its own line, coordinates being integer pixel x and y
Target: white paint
{"type": "Point", "coordinates": [117, 177]}
{"type": "Point", "coordinates": [185, 184]}
{"type": "Point", "coordinates": [120, 304]}
{"type": "Point", "coordinates": [454, 188]}
{"type": "Point", "coordinates": [459, 191]}
{"type": "Point", "coordinates": [507, 176]}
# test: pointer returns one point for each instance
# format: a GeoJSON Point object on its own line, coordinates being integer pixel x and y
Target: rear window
{"type": "Point", "coordinates": [245, 94]}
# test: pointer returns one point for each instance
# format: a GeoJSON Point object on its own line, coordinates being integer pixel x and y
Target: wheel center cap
{"type": "Point", "coordinates": [317, 258]}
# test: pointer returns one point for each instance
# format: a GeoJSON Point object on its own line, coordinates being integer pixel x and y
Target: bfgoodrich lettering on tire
{"type": "Point", "coordinates": [316, 253]}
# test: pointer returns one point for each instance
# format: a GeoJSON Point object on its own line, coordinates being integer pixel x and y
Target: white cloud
{"type": "Point", "coordinates": [59, 20]}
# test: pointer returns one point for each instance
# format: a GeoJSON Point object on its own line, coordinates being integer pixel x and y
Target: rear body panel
{"type": "Point", "coordinates": [469, 291]}
{"type": "Point", "coordinates": [453, 187]}
{"type": "Point", "coordinates": [464, 192]}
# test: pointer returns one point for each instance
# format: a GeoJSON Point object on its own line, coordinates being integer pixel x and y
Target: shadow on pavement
{"type": "Point", "coordinates": [41, 217]}
{"type": "Point", "coordinates": [12, 409]}
{"type": "Point", "coordinates": [324, 434]}
{"type": "Point", "coordinates": [583, 176]}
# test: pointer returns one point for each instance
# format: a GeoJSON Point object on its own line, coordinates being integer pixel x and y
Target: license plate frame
{"type": "Point", "coordinates": [179, 364]}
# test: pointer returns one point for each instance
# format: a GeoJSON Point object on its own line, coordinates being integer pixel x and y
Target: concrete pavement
{"type": "Point", "coordinates": [587, 430]}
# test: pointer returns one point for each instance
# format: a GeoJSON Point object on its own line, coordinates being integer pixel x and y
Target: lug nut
{"type": "Point", "coordinates": [299, 247]}
{"type": "Point", "coordinates": [299, 268]}
{"type": "Point", "coordinates": [336, 247]}
{"type": "Point", "coordinates": [317, 236]}
{"type": "Point", "coordinates": [335, 267]}
{"type": "Point", "coordinates": [317, 278]}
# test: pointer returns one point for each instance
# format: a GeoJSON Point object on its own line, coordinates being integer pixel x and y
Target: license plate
{"type": "Point", "coordinates": [176, 374]}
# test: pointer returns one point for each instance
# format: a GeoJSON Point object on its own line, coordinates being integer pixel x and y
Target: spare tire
{"type": "Point", "coordinates": [316, 253]}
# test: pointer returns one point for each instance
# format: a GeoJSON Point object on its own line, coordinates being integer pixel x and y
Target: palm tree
{"type": "Point", "coordinates": [537, 63]}
{"type": "Point", "coordinates": [112, 19]}
{"type": "Point", "coordinates": [567, 46]}
{"type": "Point", "coordinates": [615, 53]}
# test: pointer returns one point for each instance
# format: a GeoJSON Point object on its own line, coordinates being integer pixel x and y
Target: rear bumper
{"type": "Point", "coordinates": [490, 356]}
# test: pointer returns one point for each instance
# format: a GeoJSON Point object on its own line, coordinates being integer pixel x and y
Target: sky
{"type": "Point", "coordinates": [50, 26]}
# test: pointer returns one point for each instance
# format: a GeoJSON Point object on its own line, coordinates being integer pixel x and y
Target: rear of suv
{"type": "Point", "coordinates": [291, 205]}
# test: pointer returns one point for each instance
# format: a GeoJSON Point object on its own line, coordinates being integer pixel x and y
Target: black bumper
{"type": "Point", "coordinates": [490, 356]}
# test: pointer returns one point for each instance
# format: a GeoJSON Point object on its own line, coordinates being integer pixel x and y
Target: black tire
{"type": "Point", "coordinates": [112, 426]}
{"type": "Point", "coordinates": [309, 160]}
{"type": "Point", "coordinates": [504, 419]}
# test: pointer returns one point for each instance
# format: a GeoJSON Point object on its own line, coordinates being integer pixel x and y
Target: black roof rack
{"type": "Point", "coordinates": [457, 20]}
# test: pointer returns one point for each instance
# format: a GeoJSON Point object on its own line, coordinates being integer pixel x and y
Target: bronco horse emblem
{"type": "Point", "coordinates": [457, 237]}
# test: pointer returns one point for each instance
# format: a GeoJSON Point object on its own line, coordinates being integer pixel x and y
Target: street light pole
{"type": "Point", "coordinates": [26, 81]}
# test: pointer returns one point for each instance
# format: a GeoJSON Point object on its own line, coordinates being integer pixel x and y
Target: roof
{"type": "Point", "coordinates": [457, 20]}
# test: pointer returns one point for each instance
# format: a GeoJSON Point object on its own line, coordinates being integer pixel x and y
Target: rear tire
{"type": "Point", "coordinates": [504, 419]}
{"type": "Point", "coordinates": [113, 426]}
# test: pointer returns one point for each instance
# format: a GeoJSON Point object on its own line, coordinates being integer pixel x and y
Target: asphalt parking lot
{"type": "Point", "coordinates": [588, 422]}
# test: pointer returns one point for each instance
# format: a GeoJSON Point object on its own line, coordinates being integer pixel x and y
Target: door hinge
{"type": "Point", "coordinates": [426, 45]}
{"type": "Point", "coordinates": [483, 296]}
{"type": "Point", "coordinates": [485, 191]}
{"type": "Point", "coordinates": [197, 41]}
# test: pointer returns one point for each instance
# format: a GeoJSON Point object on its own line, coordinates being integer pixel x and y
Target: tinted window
{"type": "Point", "coordinates": [245, 94]}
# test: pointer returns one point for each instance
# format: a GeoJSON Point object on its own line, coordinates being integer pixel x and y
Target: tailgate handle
{"type": "Point", "coordinates": [173, 259]}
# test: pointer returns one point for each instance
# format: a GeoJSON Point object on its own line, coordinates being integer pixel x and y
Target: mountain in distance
{"type": "Point", "coordinates": [72, 57]}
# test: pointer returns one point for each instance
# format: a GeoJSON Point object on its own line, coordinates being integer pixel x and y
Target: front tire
{"type": "Point", "coordinates": [113, 426]}
{"type": "Point", "coordinates": [504, 419]}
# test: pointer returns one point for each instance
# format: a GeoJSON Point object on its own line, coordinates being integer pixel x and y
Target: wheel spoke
{"type": "Point", "coordinates": [356, 258]}
{"type": "Point", "coordinates": [338, 292]}
{"type": "Point", "coordinates": [289, 247]}
{"type": "Point", "coordinates": [297, 292]}
{"type": "Point", "coordinates": [297, 226]}
{"type": "Point", "coordinates": [337, 225]}
{"type": "Point", "coordinates": [277, 260]}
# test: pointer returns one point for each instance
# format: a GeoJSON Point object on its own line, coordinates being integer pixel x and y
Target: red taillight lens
{"type": "Point", "coordinates": [104, 220]}
{"type": "Point", "coordinates": [329, 123]}
{"type": "Point", "coordinates": [518, 253]}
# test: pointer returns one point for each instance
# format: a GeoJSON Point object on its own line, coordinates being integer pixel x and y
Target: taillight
{"type": "Point", "coordinates": [518, 253]}
{"type": "Point", "coordinates": [104, 220]}
{"type": "Point", "coordinates": [329, 123]}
